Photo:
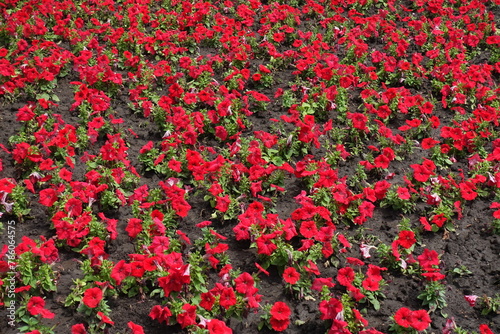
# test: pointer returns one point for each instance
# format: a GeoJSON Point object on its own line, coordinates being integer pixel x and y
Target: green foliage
{"type": "Point", "coordinates": [489, 304]}
{"type": "Point", "coordinates": [31, 323]}
{"type": "Point", "coordinates": [434, 296]}
{"type": "Point", "coordinates": [35, 273]}
{"type": "Point", "coordinates": [460, 271]}
{"type": "Point", "coordinates": [394, 201]}
{"type": "Point", "coordinates": [21, 204]}
{"type": "Point", "coordinates": [495, 224]}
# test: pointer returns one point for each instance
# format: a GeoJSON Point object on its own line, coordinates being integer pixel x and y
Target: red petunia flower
{"type": "Point", "coordinates": [261, 269]}
{"type": "Point", "coordinates": [136, 329]}
{"type": "Point", "coordinates": [467, 191]}
{"type": "Point", "coordinates": [157, 216]}
{"type": "Point", "coordinates": [222, 203]}
{"type": "Point", "coordinates": [370, 284]}
{"type": "Point", "coordinates": [439, 220]}
{"type": "Point", "coordinates": [312, 268]}
{"type": "Point", "coordinates": [319, 282]}
{"type": "Point", "coordinates": [207, 300]}
{"type": "Point", "coordinates": [484, 329]}
{"type": "Point", "coordinates": [308, 229]}
{"type": "Point", "coordinates": [265, 245]}
{"type": "Point", "coordinates": [291, 275]}
{"type": "Point", "coordinates": [381, 162]}
{"type": "Point", "coordinates": [355, 293]}
{"type": "Point", "coordinates": [428, 143]}
{"type": "Point", "coordinates": [359, 318]}
{"type": "Point", "coordinates": [6, 185]}
{"type": "Point", "coordinates": [330, 308]}
{"type": "Point", "coordinates": [175, 280]}
{"type": "Point", "coordinates": [374, 272]}
{"type": "Point", "coordinates": [245, 284]}
{"type": "Point", "coordinates": [403, 317]}
{"type": "Point", "coordinates": [366, 209]}
{"type": "Point", "coordinates": [104, 318]}
{"type": "Point", "coordinates": [406, 239]}
{"type": "Point", "coordinates": [279, 325]}
{"type": "Point", "coordinates": [216, 326]}
{"type": "Point", "coordinates": [339, 327]}
{"type": "Point", "coordinates": [78, 329]}
{"type": "Point", "coordinates": [355, 261]}
{"type": "Point", "coordinates": [428, 259]}
{"type": "Point", "coordinates": [162, 314]}
{"type": "Point", "coordinates": [381, 188]}
{"type": "Point", "coordinates": [403, 193]}
{"type": "Point", "coordinates": [48, 197]}
{"type": "Point", "coordinates": [159, 245]}
{"type": "Point", "coordinates": [420, 320]}
{"type": "Point", "coordinates": [134, 227]}
{"type": "Point", "coordinates": [92, 297]}
{"type": "Point", "coordinates": [425, 223]}
{"type": "Point", "coordinates": [221, 132]}
{"type": "Point", "coordinates": [188, 317]}
{"type": "Point", "coordinates": [345, 276]}
{"type": "Point", "coordinates": [36, 306]}
{"type": "Point", "coordinates": [433, 275]}
{"type": "Point", "coordinates": [280, 311]}
{"type": "Point", "coordinates": [26, 113]}
{"type": "Point", "coordinates": [175, 165]}
{"type": "Point", "coordinates": [120, 271]}
{"type": "Point", "coordinates": [358, 121]}
{"type": "Point", "coordinates": [420, 173]}
{"type": "Point", "coordinates": [227, 298]}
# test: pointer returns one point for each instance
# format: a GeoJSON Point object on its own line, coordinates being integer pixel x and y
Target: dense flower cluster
{"type": "Point", "coordinates": [289, 126]}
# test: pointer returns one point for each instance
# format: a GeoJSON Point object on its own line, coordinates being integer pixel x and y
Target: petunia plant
{"type": "Point", "coordinates": [345, 147]}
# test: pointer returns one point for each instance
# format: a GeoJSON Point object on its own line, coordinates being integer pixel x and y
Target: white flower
{"type": "Point", "coordinates": [436, 198]}
{"type": "Point", "coordinates": [8, 206]}
{"type": "Point", "coordinates": [471, 299]}
{"type": "Point", "coordinates": [365, 250]}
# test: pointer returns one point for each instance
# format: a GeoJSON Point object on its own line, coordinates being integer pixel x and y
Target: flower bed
{"type": "Point", "coordinates": [247, 166]}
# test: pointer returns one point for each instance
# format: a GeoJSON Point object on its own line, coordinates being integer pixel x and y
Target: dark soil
{"type": "Point", "coordinates": [472, 243]}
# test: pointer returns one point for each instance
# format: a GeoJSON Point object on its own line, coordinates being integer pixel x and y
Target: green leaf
{"type": "Point", "coordinates": [375, 303]}
{"type": "Point", "coordinates": [92, 164]}
{"type": "Point", "coordinates": [260, 325]}
{"type": "Point", "coordinates": [133, 291]}
{"type": "Point", "coordinates": [277, 161]}
{"type": "Point", "coordinates": [43, 96]}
